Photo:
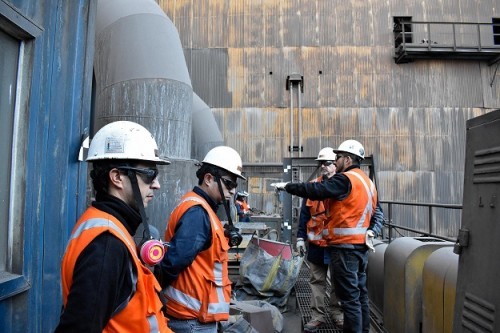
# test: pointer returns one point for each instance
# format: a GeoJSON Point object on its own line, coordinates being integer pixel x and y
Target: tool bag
{"type": "Point", "coordinates": [268, 271]}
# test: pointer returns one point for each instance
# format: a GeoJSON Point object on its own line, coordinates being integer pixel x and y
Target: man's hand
{"type": "Point", "coordinates": [300, 246]}
{"type": "Point", "coordinates": [279, 186]}
{"type": "Point", "coordinates": [370, 235]}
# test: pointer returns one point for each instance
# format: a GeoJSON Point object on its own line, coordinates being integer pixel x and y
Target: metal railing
{"type": "Point", "coordinates": [454, 35]}
{"type": "Point", "coordinates": [389, 223]}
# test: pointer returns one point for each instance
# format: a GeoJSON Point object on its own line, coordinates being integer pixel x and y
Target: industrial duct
{"type": "Point", "coordinates": [141, 75]}
{"type": "Point", "coordinates": [206, 133]}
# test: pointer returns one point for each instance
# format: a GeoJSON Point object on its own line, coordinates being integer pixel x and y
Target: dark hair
{"type": "Point", "coordinates": [100, 172]}
{"type": "Point", "coordinates": [355, 159]}
{"type": "Point", "coordinates": [211, 169]}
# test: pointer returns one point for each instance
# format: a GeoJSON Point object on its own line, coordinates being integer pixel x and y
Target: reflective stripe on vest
{"type": "Point", "coordinates": [202, 290]}
{"type": "Point", "coordinates": [316, 224]}
{"type": "Point", "coordinates": [184, 299]}
{"type": "Point", "coordinates": [98, 223]}
{"type": "Point", "coordinates": [194, 304]}
{"type": "Point", "coordinates": [153, 324]}
{"type": "Point", "coordinates": [359, 229]}
{"type": "Point", "coordinates": [312, 236]}
{"type": "Point", "coordinates": [140, 299]}
{"type": "Point", "coordinates": [201, 202]}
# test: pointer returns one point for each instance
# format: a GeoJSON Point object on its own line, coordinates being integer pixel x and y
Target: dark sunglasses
{"type": "Point", "coordinates": [148, 175]}
{"type": "Point", "coordinates": [325, 163]}
{"type": "Point", "coordinates": [338, 157]}
{"type": "Point", "coordinates": [229, 183]}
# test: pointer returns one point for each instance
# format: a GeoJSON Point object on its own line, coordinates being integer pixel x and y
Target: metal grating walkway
{"type": "Point", "coordinates": [303, 295]}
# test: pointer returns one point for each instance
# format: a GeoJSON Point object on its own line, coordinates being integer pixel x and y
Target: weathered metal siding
{"type": "Point", "coordinates": [411, 117]}
{"type": "Point", "coordinates": [58, 112]}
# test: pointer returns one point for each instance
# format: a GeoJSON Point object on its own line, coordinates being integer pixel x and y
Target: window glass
{"type": "Point", "coordinates": [496, 31]}
{"type": "Point", "coordinates": [9, 58]}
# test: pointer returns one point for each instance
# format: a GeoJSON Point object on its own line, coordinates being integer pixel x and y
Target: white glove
{"type": "Point", "coordinates": [300, 246]}
{"type": "Point", "coordinates": [279, 186]}
{"type": "Point", "coordinates": [370, 235]}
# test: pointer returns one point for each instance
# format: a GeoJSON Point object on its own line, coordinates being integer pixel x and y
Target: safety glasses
{"type": "Point", "coordinates": [148, 175]}
{"type": "Point", "coordinates": [325, 163]}
{"type": "Point", "coordinates": [229, 183]}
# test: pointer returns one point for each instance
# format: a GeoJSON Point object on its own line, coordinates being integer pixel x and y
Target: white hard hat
{"type": "Point", "coordinates": [351, 147]}
{"type": "Point", "coordinates": [326, 154]}
{"type": "Point", "coordinates": [242, 194]}
{"type": "Point", "coordinates": [225, 158]}
{"type": "Point", "coordinates": [124, 140]}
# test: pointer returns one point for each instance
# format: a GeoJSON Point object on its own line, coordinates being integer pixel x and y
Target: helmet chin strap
{"type": "Point", "coordinates": [224, 201]}
{"type": "Point", "coordinates": [231, 232]}
{"type": "Point", "coordinates": [151, 250]}
{"type": "Point", "coordinates": [138, 200]}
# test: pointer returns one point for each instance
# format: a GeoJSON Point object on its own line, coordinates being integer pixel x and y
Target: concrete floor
{"type": "Point", "coordinates": [292, 319]}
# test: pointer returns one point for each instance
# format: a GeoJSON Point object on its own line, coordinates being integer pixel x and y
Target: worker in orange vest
{"type": "Point", "coordinates": [242, 207]}
{"type": "Point", "coordinates": [194, 272]}
{"type": "Point", "coordinates": [354, 218]}
{"type": "Point", "coordinates": [106, 286]}
{"type": "Point", "coordinates": [310, 231]}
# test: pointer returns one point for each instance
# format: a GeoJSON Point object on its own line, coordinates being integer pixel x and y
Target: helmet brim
{"type": "Point", "coordinates": [343, 151]}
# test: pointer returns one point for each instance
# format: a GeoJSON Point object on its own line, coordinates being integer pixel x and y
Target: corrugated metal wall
{"type": "Point", "coordinates": [411, 117]}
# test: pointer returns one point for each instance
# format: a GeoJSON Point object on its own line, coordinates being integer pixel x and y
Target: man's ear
{"type": "Point", "coordinates": [115, 178]}
{"type": "Point", "coordinates": [207, 178]}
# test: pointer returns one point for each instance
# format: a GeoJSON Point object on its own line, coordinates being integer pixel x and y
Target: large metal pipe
{"type": "Point", "coordinates": [206, 133]}
{"type": "Point", "coordinates": [141, 75]}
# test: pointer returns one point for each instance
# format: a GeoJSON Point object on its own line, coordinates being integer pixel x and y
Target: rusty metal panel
{"type": "Point", "coordinates": [236, 24]}
{"type": "Point", "coordinates": [259, 135]}
{"type": "Point", "coordinates": [179, 12]}
{"type": "Point", "coordinates": [411, 117]}
{"type": "Point", "coordinates": [206, 67]}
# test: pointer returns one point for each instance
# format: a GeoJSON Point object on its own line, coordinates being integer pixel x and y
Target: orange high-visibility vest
{"type": "Point", "coordinates": [203, 290]}
{"type": "Point", "coordinates": [245, 208]}
{"type": "Point", "coordinates": [349, 219]}
{"type": "Point", "coordinates": [316, 223]}
{"type": "Point", "coordinates": [143, 311]}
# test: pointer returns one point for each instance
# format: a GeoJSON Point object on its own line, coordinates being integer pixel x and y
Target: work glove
{"type": "Point", "coordinates": [300, 246]}
{"type": "Point", "coordinates": [370, 235]}
{"type": "Point", "coordinates": [279, 186]}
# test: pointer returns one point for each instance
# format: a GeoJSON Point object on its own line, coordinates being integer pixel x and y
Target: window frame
{"type": "Point", "coordinates": [13, 279]}
{"type": "Point", "coordinates": [398, 30]}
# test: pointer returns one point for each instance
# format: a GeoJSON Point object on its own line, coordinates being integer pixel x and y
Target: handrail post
{"type": "Point", "coordinates": [430, 220]}
{"type": "Point", "coordinates": [479, 37]}
{"type": "Point", "coordinates": [454, 37]}
{"type": "Point", "coordinates": [404, 35]}
{"type": "Point", "coordinates": [429, 36]}
{"type": "Point", "coordinates": [390, 221]}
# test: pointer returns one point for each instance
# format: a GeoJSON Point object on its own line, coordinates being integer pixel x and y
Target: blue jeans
{"type": "Point", "coordinates": [191, 326]}
{"type": "Point", "coordinates": [348, 267]}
